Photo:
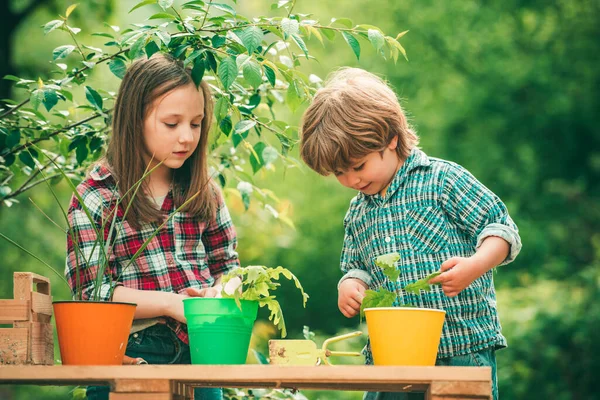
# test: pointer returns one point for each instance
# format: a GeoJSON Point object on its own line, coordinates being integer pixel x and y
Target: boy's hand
{"type": "Point", "coordinates": [457, 274]}
{"type": "Point", "coordinates": [350, 296]}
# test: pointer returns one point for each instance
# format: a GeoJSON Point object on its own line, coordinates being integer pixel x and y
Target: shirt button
{"type": "Point", "coordinates": [135, 335]}
{"type": "Point", "coordinates": [388, 239]}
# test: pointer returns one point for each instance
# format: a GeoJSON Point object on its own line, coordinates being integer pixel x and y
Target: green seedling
{"type": "Point", "coordinates": [385, 298]}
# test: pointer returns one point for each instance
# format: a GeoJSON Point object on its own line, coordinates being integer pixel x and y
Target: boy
{"type": "Point", "coordinates": [432, 212]}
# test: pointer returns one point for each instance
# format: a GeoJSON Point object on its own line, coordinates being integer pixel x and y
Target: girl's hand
{"type": "Point", "coordinates": [350, 296]}
{"type": "Point", "coordinates": [457, 274]}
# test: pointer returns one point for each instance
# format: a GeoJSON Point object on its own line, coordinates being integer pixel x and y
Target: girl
{"type": "Point", "coordinates": [160, 119]}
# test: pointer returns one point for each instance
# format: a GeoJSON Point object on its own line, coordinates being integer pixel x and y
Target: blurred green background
{"type": "Point", "coordinates": [508, 89]}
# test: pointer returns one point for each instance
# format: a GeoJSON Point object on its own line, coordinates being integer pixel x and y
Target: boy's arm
{"type": "Point", "coordinates": [478, 211]}
{"type": "Point", "coordinates": [351, 263]}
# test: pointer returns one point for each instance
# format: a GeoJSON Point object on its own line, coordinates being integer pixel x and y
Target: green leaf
{"type": "Point", "coordinates": [226, 125]}
{"type": "Point", "coordinates": [290, 27]}
{"type": "Point", "coordinates": [221, 108]}
{"type": "Point", "coordinates": [328, 33]}
{"type": "Point", "coordinates": [251, 37]}
{"type": "Point", "coordinates": [353, 43]}
{"type": "Point", "coordinates": [256, 160]}
{"type": "Point", "coordinates": [218, 41]}
{"type": "Point", "coordinates": [81, 152]}
{"type": "Point", "coordinates": [151, 48]}
{"type": "Point", "coordinates": [227, 71]}
{"type": "Point", "coordinates": [137, 48]}
{"type": "Point", "coordinates": [223, 7]}
{"type": "Point", "coordinates": [198, 71]}
{"type": "Point", "coordinates": [62, 52]}
{"type": "Point", "coordinates": [36, 98]}
{"type": "Point", "coordinates": [244, 126]}
{"type": "Point", "coordinates": [387, 263]}
{"type": "Point", "coordinates": [50, 99]}
{"type": "Point", "coordinates": [293, 96]}
{"type": "Point", "coordinates": [421, 284]}
{"type": "Point", "coordinates": [52, 25]}
{"type": "Point", "coordinates": [269, 155]}
{"type": "Point", "coordinates": [298, 40]}
{"type": "Point", "coordinates": [246, 189]}
{"type": "Point", "coordinates": [117, 67]}
{"type": "Point", "coordinates": [142, 3]}
{"type": "Point", "coordinates": [13, 139]}
{"type": "Point", "coordinates": [376, 39]}
{"type": "Point", "coordinates": [270, 74]}
{"type": "Point", "coordinates": [26, 159]}
{"type": "Point", "coordinates": [347, 22]}
{"type": "Point", "coordinates": [70, 10]}
{"type": "Point", "coordinates": [164, 37]}
{"type": "Point", "coordinates": [252, 73]}
{"type": "Point", "coordinates": [93, 97]}
{"type": "Point", "coordinates": [380, 298]}
{"type": "Point", "coordinates": [163, 15]}
{"type": "Point", "coordinates": [164, 4]}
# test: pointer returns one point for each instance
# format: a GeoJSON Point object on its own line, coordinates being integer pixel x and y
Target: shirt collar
{"type": "Point", "coordinates": [100, 172]}
{"type": "Point", "coordinates": [416, 159]}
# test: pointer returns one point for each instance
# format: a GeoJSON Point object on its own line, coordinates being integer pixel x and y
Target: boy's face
{"type": "Point", "coordinates": [373, 173]}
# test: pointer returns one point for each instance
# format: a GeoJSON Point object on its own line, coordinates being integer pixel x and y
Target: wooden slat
{"type": "Point", "coordinates": [447, 388]}
{"type": "Point", "coordinates": [23, 285]}
{"type": "Point", "coordinates": [42, 344]}
{"type": "Point", "coordinates": [13, 310]}
{"type": "Point", "coordinates": [141, 385]}
{"type": "Point", "coordinates": [41, 304]}
{"type": "Point", "coordinates": [13, 346]}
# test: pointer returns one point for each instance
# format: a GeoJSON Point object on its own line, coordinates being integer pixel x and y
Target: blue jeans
{"type": "Point", "coordinates": [157, 345]}
{"type": "Point", "coordinates": [482, 358]}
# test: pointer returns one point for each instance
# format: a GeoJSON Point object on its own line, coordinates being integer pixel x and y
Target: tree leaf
{"type": "Point", "coordinates": [353, 43]}
{"type": "Point", "coordinates": [70, 10]}
{"type": "Point", "coordinates": [289, 27]}
{"type": "Point", "coordinates": [141, 4]}
{"type": "Point", "coordinates": [50, 98]}
{"type": "Point", "coordinates": [198, 71]}
{"type": "Point", "coordinates": [36, 98]}
{"type": "Point", "coordinates": [347, 22]}
{"type": "Point", "coordinates": [269, 155]}
{"type": "Point", "coordinates": [252, 73]}
{"type": "Point", "coordinates": [270, 74]}
{"type": "Point", "coordinates": [226, 125]}
{"type": "Point", "coordinates": [62, 51]}
{"type": "Point", "coordinates": [256, 160]}
{"type": "Point", "coordinates": [163, 15]}
{"type": "Point", "coordinates": [251, 37]}
{"type": "Point", "coordinates": [244, 126]}
{"type": "Point", "coordinates": [137, 49]}
{"type": "Point", "coordinates": [117, 67]}
{"type": "Point", "coordinates": [93, 97]}
{"type": "Point", "coordinates": [164, 37]}
{"type": "Point", "coordinates": [221, 108]}
{"type": "Point", "coordinates": [293, 96]}
{"type": "Point", "coordinates": [52, 25]}
{"type": "Point", "coordinates": [298, 40]}
{"type": "Point", "coordinates": [227, 71]}
{"type": "Point", "coordinates": [164, 4]}
{"type": "Point", "coordinates": [376, 38]}
{"type": "Point", "coordinates": [151, 48]}
{"type": "Point", "coordinates": [223, 7]}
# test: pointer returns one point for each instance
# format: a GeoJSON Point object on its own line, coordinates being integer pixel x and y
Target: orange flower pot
{"type": "Point", "coordinates": [93, 332]}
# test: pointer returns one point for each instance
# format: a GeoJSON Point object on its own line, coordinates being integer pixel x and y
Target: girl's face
{"type": "Point", "coordinates": [172, 127]}
{"type": "Point", "coordinates": [373, 173]}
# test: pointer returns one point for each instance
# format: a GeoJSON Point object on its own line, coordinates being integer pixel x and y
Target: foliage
{"type": "Point", "coordinates": [256, 283]}
{"type": "Point", "coordinates": [251, 65]}
{"type": "Point", "coordinates": [102, 247]}
{"type": "Point", "coordinates": [385, 298]}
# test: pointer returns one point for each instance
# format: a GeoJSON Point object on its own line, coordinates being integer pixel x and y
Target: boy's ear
{"type": "Point", "coordinates": [393, 143]}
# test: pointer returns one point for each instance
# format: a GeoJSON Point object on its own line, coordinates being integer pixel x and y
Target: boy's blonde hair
{"type": "Point", "coordinates": [355, 114]}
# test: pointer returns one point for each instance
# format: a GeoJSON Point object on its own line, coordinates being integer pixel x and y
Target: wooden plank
{"type": "Point", "coordinates": [446, 388]}
{"type": "Point", "coordinates": [14, 310]}
{"type": "Point", "coordinates": [345, 376]}
{"type": "Point", "coordinates": [141, 385]}
{"type": "Point", "coordinates": [41, 304]}
{"type": "Point", "coordinates": [23, 285]}
{"type": "Point", "coordinates": [140, 396]}
{"type": "Point", "coordinates": [13, 346]}
{"type": "Point", "coordinates": [42, 344]}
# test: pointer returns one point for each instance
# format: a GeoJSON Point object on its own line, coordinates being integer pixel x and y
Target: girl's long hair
{"type": "Point", "coordinates": [145, 81]}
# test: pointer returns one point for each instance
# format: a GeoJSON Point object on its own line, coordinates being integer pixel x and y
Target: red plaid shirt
{"type": "Point", "coordinates": [186, 252]}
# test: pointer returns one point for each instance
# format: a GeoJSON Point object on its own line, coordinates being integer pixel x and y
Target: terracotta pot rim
{"type": "Point", "coordinates": [94, 302]}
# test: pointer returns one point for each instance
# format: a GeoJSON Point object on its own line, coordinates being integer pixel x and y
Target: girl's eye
{"type": "Point", "coordinates": [359, 167]}
{"type": "Point", "coordinates": [170, 125]}
{"type": "Point", "coordinates": [196, 126]}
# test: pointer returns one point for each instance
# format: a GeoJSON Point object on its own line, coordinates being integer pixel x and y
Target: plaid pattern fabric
{"type": "Point", "coordinates": [186, 252]}
{"type": "Point", "coordinates": [433, 210]}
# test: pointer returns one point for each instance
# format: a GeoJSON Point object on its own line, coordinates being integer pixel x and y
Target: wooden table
{"type": "Point", "coordinates": [162, 382]}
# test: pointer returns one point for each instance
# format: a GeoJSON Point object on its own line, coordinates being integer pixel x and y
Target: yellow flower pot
{"type": "Point", "coordinates": [404, 335]}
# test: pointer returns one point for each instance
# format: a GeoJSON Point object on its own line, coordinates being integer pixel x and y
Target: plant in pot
{"type": "Point", "coordinates": [220, 328]}
{"type": "Point", "coordinates": [91, 330]}
{"type": "Point", "coordinates": [402, 335]}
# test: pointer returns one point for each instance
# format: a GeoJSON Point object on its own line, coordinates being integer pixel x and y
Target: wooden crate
{"type": "Point", "coordinates": [31, 339]}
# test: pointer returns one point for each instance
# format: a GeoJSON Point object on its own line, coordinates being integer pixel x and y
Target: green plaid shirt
{"type": "Point", "coordinates": [433, 210]}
